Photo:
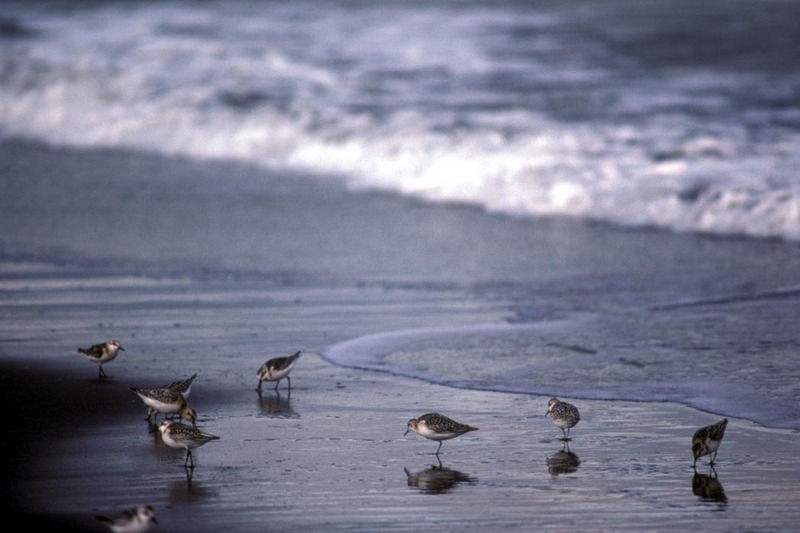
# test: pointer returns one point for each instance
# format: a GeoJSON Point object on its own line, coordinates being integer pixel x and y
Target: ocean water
{"type": "Point", "coordinates": [673, 114]}
{"type": "Point", "coordinates": [617, 184]}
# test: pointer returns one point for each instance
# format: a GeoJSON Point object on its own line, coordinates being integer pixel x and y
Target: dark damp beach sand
{"type": "Point", "coordinates": [331, 456]}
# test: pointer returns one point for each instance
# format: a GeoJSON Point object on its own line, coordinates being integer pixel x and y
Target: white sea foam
{"type": "Point", "coordinates": [428, 102]}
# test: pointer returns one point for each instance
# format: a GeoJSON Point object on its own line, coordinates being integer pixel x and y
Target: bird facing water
{"type": "Point", "coordinates": [102, 353]}
{"type": "Point", "coordinates": [564, 415]}
{"type": "Point", "coordinates": [437, 427]}
{"type": "Point", "coordinates": [706, 440]}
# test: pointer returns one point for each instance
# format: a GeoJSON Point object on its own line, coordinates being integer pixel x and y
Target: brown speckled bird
{"type": "Point", "coordinates": [706, 440]}
{"type": "Point", "coordinates": [437, 427]}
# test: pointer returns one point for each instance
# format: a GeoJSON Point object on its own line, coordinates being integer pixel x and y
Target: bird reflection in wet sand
{"type": "Point", "coordinates": [563, 462]}
{"type": "Point", "coordinates": [188, 491]}
{"type": "Point", "coordinates": [276, 405]}
{"type": "Point", "coordinates": [189, 469]}
{"type": "Point", "coordinates": [438, 479]}
{"type": "Point", "coordinates": [708, 487]}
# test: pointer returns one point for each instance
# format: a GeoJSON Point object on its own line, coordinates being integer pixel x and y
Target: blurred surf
{"type": "Point", "coordinates": [670, 114]}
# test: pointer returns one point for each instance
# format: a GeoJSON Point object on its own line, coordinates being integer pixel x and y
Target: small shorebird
{"type": "Point", "coordinates": [706, 440]}
{"type": "Point", "coordinates": [437, 427]}
{"type": "Point", "coordinates": [277, 369]}
{"type": "Point", "coordinates": [136, 520]}
{"type": "Point", "coordinates": [184, 386]}
{"type": "Point", "coordinates": [102, 353]}
{"type": "Point", "coordinates": [564, 415]}
{"type": "Point", "coordinates": [177, 435]}
{"type": "Point", "coordinates": [165, 401]}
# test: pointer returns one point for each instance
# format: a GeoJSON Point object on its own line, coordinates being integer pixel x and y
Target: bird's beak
{"type": "Point", "coordinates": [547, 413]}
{"type": "Point", "coordinates": [154, 520]}
{"type": "Point", "coordinates": [406, 433]}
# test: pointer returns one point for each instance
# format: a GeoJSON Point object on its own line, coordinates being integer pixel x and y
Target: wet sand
{"type": "Point", "coordinates": [331, 456]}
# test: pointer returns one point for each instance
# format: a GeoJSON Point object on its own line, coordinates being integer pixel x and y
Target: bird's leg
{"type": "Point", "coordinates": [289, 379]}
{"type": "Point", "coordinates": [259, 386]}
{"type": "Point", "coordinates": [439, 448]}
{"type": "Point", "coordinates": [189, 459]}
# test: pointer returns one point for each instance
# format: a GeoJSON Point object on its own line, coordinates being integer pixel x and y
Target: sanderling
{"type": "Point", "coordinates": [184, 386]}
{"type": "Point", "coordinates": [277, 369]}
{"type": "Point", "coordinates": [102, 353]}
{"type": "Point", "coordinates": [165, 401]}
{"type": "Point", "coordinates": [706, 440]}
{"type": "Point", "coordinates": [437, 427]}
{"type": "Point", "coordinates": [135, 520]}
{"type": "Point", "coordinates": [177, 435]}
{"type": "Point", "coordinates": [564, 415]}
